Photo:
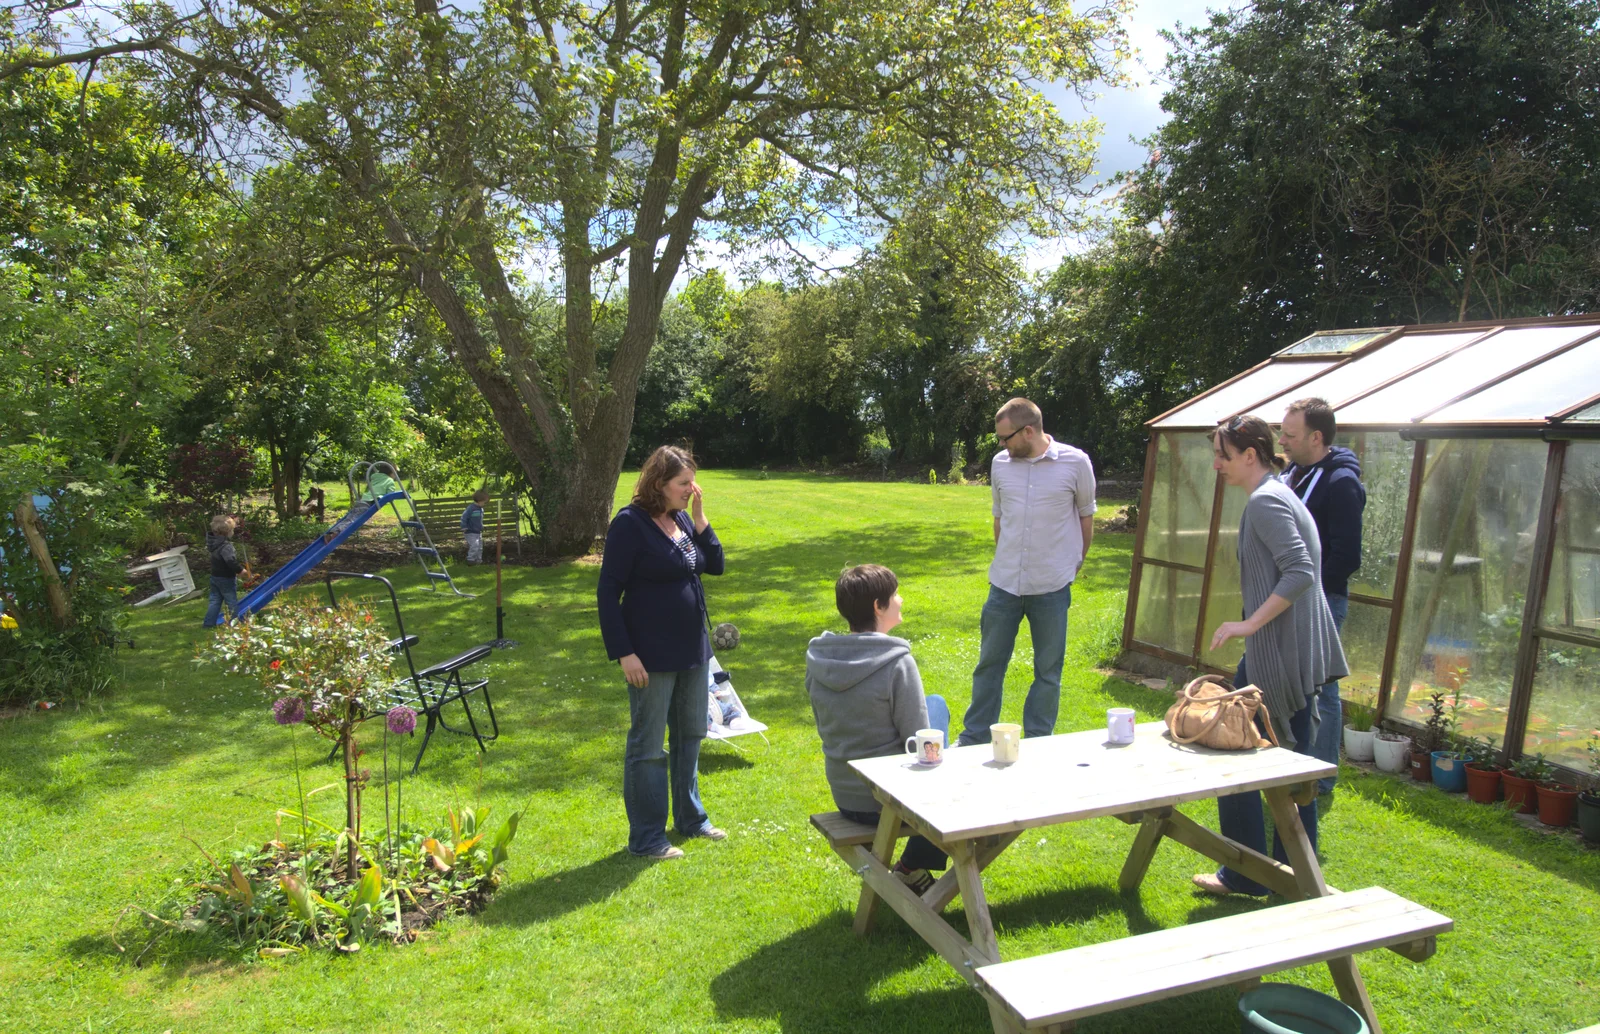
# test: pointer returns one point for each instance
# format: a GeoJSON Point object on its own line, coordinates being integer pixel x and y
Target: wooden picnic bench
{"type": "Point", "coordinates": [442, 516]}
{"type": "Point", "coordinates": [974, 808]}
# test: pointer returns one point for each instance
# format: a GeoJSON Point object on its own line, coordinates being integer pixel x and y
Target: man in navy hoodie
{"type": "Point", "coordinates": [1327, 478]}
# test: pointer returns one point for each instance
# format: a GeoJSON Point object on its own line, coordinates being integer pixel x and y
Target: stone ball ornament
{"type": "Point", "coordinates": [725, 636]}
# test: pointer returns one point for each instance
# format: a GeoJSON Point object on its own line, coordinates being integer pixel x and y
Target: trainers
{"type": "Point", "coordinates": [664, 853]}
{"type": "Point", "coordinates": [712, 833]}
{"type": "Point", "coordinates": [916, 880]}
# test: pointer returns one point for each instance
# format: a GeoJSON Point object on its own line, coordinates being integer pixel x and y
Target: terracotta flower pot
{"type": "Point", "coordinates": [1422, 766]}
{"type": "Point", "coordinates": [1520, 793]}
{"type": "Point", "coordinates": [1589, 817]}
{"type": "Point", "coordinates": [1483, 784]}
{"type": "Point", "coordinates": [1557, 802]}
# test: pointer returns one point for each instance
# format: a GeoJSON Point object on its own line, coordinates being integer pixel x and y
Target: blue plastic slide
{"type": "Point", "coordinates": [313, 554]}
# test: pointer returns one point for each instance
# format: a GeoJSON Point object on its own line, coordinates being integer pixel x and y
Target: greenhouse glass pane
{"type": "Point", "coordinates": [1468, 578]}
{"type": "Point", "coordinates": [1454, 374]}
{"type": "Point", "coordinates": [1169, 608]}
{"type": "Point", "coordinates": [1242, 393]}
{"type": "Point", "coordinates": [1226, 600]}
{"type": "Point", "coordinates": [1550, 387]}
{"type": "Point", "coordinates": [1365, 373]}
{"type": "Point", "coordinates": [1572, 598]}
{"type": "Point", "coordinates": [1590, 415]}
{"type": "Point", "coordinates": [1334, 344]}
{"type": "Point", "coordinates": [1180, 499]}
{"type": "Point", "coordinates": [1386, 473]}
{"type": "Point", "coordinates": [1565, 710]}
{"type": "Point", "coordinates": [1365, 634]}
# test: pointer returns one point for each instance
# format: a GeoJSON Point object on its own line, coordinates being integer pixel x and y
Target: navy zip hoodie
{"type": "Point", "coordinates": [224, 561]}
{"type": "Point", "coordinates": [1333, 492]}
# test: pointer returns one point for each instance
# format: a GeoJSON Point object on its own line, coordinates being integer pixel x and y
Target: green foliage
{"type": "Point", "coordinates": [1531, 766]}
{"type": "Point", "coordinates": [1359, 718]}
{"type": "Point", "coordinates": [275, 900]}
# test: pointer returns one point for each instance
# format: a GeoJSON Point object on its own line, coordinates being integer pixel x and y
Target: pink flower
{"type": "Point", "coordinates": [402, 720]}
{"type": "Point", "coordinates": [288, 710]}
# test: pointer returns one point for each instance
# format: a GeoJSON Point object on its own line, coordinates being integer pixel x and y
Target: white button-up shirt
{"type": "Point", "coordinates": [1039, 502]}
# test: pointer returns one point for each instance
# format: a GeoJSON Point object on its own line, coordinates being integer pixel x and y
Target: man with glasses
{"type": "Point", "coordinates": [1043, 505]}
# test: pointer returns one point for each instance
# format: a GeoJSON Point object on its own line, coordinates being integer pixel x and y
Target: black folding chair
{"type": "Point", "coordinates": [434, 687]}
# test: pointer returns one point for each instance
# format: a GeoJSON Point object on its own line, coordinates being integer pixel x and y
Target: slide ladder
{"type": "Point", "coordinates": [416, 532]}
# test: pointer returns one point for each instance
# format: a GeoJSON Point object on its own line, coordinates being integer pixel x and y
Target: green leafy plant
{"type": "Point", "coordinates": [1530, 766]}
{"type": "Point", "coordinates": [1436, 730]}
{"type": "Point", "coordinates": [1483, 754]}
{"type": "Point", "coordinates": [1359, 717]}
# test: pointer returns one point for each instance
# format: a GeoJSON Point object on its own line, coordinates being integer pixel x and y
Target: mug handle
{"type": "Point", "coordinates": [911, 745]}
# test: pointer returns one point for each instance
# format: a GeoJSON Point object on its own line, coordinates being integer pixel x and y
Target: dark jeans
{"type": "Point", "coordinates": [223, 590]}
{"type": "Point", "coordinates": [919, 852]}
{"type": "Point", "coordinates": [998, 626]}
{"type": "Point", "coordinates": [1241, 814]}
{"type": "Point", "coordinates": [672, 703]}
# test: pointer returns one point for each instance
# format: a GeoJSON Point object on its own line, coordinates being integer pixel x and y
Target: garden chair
{"type": "Point", "coordinates": [432, 689]}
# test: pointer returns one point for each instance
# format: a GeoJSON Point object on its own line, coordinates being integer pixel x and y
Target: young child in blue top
{"type": "Point", "coordinates": [472, 525]}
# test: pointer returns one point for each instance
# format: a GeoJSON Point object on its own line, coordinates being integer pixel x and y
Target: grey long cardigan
{"type": "Point", "coordinates": [1299, 650]}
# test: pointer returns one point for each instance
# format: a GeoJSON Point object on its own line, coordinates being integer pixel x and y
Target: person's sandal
{"type": "Point", "coordinates": [916, 880]}
{"type": "Point", "coordinates": [1211, 883]}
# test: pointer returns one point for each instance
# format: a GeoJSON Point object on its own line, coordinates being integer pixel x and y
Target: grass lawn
{"type": "Point", "coordinates": [751, 934]}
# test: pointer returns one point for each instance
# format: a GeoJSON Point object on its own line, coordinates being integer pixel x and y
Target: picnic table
{"type": "Point", "coordinates": [974, 808]}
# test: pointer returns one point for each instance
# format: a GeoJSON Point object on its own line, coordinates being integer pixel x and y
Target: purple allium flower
{"type": "Point", "coordinates": [402, 720]}
{"type": "Point", "coordinates": [289, 710]}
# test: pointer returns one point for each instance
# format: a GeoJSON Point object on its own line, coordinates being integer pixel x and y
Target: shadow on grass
{"type": "Point", "coordinates": [1489, 825]}
{"type": "Point", "coordinates": [553, 896]}
{"type": "Point", "coordinates": [723, 761]}
{"type": "Point", "coordinates": [823, 979]}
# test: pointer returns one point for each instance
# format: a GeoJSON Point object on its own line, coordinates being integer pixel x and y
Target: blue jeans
{"type": "Point", "coordinates": [1242, 818]}
{"type": "Point", "coordinates": [672, 702]}
{"type": "Point", "coordinates": [920, 852]}
{"type": "Point", "coordinates": [223, 590]}
{"type": "Point", "coordinates": [1002, 617]}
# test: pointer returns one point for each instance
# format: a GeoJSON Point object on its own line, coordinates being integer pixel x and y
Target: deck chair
{"type": "Point", "coordinates": [432, 689]}
{"type": "Point", "coordinates": [719, 692]}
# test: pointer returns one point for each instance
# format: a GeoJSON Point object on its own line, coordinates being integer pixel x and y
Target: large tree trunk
{"type": "Point", "coordinates": [293, 467]}
{"type": "Point", "coordinates": [55, 593]}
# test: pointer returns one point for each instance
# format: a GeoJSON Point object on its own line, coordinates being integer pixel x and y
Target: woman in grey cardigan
{"type": "Point", "coordinates": [1290, 638]}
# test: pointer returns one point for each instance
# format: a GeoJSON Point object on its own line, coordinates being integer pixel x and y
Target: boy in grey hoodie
{"type": "Point", "coordinates": [866, 694]}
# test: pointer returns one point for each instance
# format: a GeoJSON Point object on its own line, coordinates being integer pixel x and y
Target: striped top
{"type": "Point", "coordinates": [1299, 650]}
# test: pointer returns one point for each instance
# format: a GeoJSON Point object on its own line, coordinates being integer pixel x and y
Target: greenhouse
{"type": "Point", "coordinates": [1480, 563]}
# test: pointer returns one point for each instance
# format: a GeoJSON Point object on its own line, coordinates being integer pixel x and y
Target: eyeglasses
{"type": "Point", "coordinates": [1004, 438]}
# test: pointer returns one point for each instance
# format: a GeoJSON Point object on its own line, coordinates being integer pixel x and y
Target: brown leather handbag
{"type": "Point", "coordinates": [1212, 713]}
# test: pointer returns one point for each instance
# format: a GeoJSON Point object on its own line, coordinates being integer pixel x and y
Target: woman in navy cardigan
{"type": "Point", "coordinates": [653, 620]}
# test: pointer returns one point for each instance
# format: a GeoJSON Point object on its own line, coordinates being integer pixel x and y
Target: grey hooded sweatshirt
{"type": "Point", "coordinates": [867, 696]}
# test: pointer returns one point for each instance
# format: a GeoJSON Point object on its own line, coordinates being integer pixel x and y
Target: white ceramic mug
{"type": "Point", "coordinates": [927, 745]}
{"type": "Point", "coordinates": [1007, 740]}
{"type": "Point", "coordinates": [1119, 725]}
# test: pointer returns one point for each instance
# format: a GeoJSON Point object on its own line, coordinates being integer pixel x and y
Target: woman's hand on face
{"type": "Point", "coordinates": [1230, 630]}
{"type": "Point", "coordinates": [633, 671]}
{"type": "Point", "coordinates": [697, 507]}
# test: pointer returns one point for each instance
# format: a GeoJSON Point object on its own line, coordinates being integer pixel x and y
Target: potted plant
{"type": "Point", "coordinates": [1589, 803]}
{"type": "Point", "coordinates": [1390, 750]}
{"type": "Point", "coordinates": [1483, 775]}
{"type": "Point", "coordinates": [1450, 769]}
{"type": "Point", "coordinates": [1358, 733]}
{"type": "Point", "coordinates": [1431, 739]}
{"type": "Point", "coordinates": [1520, 779]}
{"type": "Point", "coordinates": [1557, 801]}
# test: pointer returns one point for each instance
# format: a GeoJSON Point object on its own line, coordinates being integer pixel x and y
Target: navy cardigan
{"type": "Point", "coordinates": [651, 601]}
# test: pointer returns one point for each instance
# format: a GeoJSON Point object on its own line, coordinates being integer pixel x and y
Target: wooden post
{"type": "Point", "coordinates": [55, 593]}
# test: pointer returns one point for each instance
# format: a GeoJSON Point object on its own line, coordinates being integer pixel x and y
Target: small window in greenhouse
{"type": "Point", "coordinates": [1369, 371]}
{"type": "Point", "coordinates": [1534, 394]}
{"type": "Point", "coordinates": [1471, 562]}
{"type": "Point", "coordinates": [1364, 636]}
{"type": "Point", "coordinates": [1335, 343]}
{"type": "Point", "coordinates": [1179, 518]}
{"type": "Point", "coordinates": [1463, 371]}
{"type": "Point", "coordinates": [1225, 601]}
{"type": "Point", "coordinates": [1386, 473]}
{"type": "Point", "coordinates": [1169, 608]}
{"type": "Point", "coordinates": [1586, 416]}
{"type": "Point", "coordinates": [1572, 595]}
{"type": "Point", "coordinates": [1565, 709]}
{"type": "Point", "coordinates": [1242, 393]}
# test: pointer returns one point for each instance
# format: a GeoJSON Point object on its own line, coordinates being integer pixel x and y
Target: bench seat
{"type": "Point", "coordinates": [843, 832]}
{"type": "Point", "coordinates": [1053, 991]}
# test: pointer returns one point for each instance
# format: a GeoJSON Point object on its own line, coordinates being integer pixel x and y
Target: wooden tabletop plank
{"type": "Point", "coordinates": [1073, 776]}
